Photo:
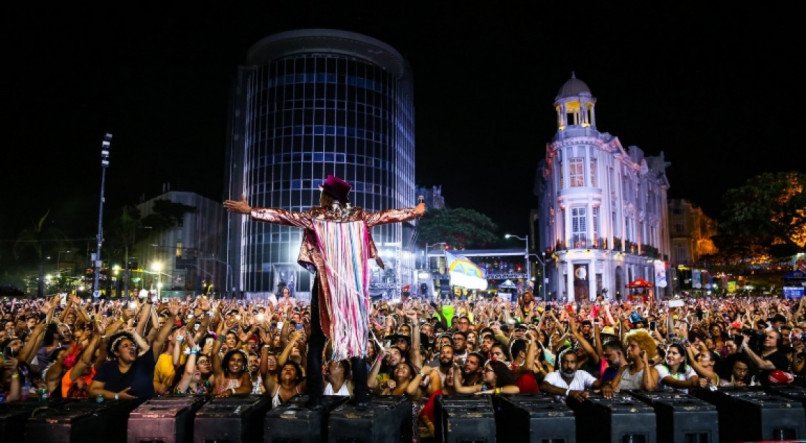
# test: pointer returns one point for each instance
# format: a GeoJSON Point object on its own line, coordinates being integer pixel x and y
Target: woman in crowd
{"type": "Point", "coordinates": [338, 378]}
{"type": "Point", "coordinates": [291, 384]}
{"type": "Point", "coordinates": [676, 373]}
{"type": "Point", "coordinates": [130, 374]}
{"type": "Point", "coordinates": [741, 375]}
{"type": "Point", "coordinates": [398, 384]}
{"type": "Point", "coordinates": [197, 378]}
{"type": "Point", "coordinates": [638, 373]}
{"type": "Point", "coordinates": [496, 379]}
{"type": "Point", "coordinates": [703, 362]}
{"type": "Point", "coordinates": [231, 375]}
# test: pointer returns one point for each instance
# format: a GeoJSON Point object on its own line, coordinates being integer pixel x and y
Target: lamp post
{"type": "Point", "coordinates": [100, 238]}
{"type": "Point", "coordinates": [543, 274]}
{"type": "Point", "coordinates": [427, 262]}
{"type": "Point", "coordinates": [157, 267]}
{"type": "Point", "coordinates": [526, 255]}
{"type": "Point", "coordinates": [227, 277]}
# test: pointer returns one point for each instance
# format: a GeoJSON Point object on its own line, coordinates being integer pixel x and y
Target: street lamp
{"type": "Point", "coordinates": [100, 238]}
{"type": "Point", "coordinates": [543, 274]}
{"type": "Point", "coordinates": [526, 256]}
{"type": "Point", "coordinates": [428, 263]}
{"type": "Point", "coordinates": [157, 267]}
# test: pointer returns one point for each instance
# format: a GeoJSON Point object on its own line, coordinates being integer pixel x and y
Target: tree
{"type": "Point", "coordinates": [166, 215]}
{"type": "Point", "coordinates": [461, 228]}
{"type": "Point", "coordinates": [40, 239]}
{"type": "Point", "coordinates": [765, 217]}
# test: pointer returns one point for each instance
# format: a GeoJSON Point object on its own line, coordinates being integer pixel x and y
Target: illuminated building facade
{"type": "Point", "coordinates": [603, 219]}
{"type": "Point", "coordinates": [691, 233]}
{"type": "Point", "coordinates": [309, 103]}
{"type": "Point", "coordinates": [188, 253]}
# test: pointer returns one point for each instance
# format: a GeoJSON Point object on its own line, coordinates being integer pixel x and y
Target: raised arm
{"type": "Point", "coordinates": [394, 215]}
{"type": "Point", "coordinates": [268, 215]}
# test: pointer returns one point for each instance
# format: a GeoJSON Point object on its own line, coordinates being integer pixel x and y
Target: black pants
{"type": "Point", "coordinates": [316, 343]}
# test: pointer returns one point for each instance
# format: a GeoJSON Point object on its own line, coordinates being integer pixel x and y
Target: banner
{"type": "Point", "coordinates": [696, 281]}
{"type": "Point", "coordinates": [660, 274]}
{"type": "Point", "coordinates": [465, 273]}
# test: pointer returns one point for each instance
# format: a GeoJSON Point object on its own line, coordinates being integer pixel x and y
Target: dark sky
{"type": "Point", "coordinates": [719, 91]}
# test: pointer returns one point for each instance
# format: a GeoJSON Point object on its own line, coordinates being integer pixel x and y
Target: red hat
{"type": "Point", "coordinates": [336, 188]}
{"type": "Point", "coordinates": [779, 377]}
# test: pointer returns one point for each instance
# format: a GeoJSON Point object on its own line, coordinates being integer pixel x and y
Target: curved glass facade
{"type": "Point", "coordinates": [301, 113]}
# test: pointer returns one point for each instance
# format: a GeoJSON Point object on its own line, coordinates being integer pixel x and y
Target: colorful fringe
{"type": "Point", "coordinates": [345, 250]}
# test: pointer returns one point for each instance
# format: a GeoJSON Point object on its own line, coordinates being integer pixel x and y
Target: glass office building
{"type": "Point", "coordinates": [309, 103]}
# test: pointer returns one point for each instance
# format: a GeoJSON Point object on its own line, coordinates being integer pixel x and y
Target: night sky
{"type": "Point", "coordinates": [719, 91]}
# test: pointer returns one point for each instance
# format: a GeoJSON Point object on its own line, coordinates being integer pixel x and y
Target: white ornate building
{"type": "Point", "coordinates": [603, 218]}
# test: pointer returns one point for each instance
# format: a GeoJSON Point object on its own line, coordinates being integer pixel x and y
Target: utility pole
{"type": "Point", "coordinates": [100, 239]}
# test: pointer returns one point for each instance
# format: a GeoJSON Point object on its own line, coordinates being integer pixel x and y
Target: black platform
{"type": "Point", "coordinates": [621, 419]}
{"type": "Point", "coordinates": [295, 423]}
{"type": "Point", "coordinates": [79, 421]}
{"type": "Point", "coordinates": [385, 420]}
{"type": "Point", "coordinates": [164, 419]}
{"type": "Point", "coordinates": [233, 420]}
{"type": "Point", "coordinates": [746, 414]}
{"type": "Point", "coordinates": [534, 419]}
{"type": "Point", "coordinates": [682, 418]}
{"type": "Point", "coordinates": [465, 418]}
{"type": "Point", "coordinates": [13, 417]}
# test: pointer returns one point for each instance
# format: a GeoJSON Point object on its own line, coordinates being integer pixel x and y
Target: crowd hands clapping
{"type": "Point", "coordinates": [135, 349]}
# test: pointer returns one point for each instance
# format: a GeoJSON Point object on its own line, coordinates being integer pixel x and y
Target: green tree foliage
{"type": "Point", "coordinates": [122, 231]}
{"type": "Point", "coordinates": [461, 228]}
{"type": "Point", "coordinates": [36, 242]}
{"type": "Point", "coordinates": [764, 217]}
{"type": "Point", "coordinates": [166, 215]}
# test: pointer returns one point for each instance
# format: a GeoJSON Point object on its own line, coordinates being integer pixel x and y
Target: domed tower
{"type": "Point", "coordinates": [603, 219]}
{"type": "Point", "coordinates": [575, 105]}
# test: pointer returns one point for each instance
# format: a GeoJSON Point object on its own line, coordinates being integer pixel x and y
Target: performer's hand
{"type": "Point", "coordinates": [419, 210]}
{"type": "Point", "coordinates": [238, 206]}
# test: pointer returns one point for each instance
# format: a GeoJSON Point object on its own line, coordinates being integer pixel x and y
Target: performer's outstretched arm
{"type": "Point", "coordinates": [394, 215]}
{"type": "Point", "coordinates": [268, 215]}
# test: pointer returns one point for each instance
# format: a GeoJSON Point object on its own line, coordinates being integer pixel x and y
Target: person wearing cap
{"type": "Point", "coordinates": [334, 233]}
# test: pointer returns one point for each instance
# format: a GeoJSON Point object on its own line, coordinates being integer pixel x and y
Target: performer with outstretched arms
{"type": "Point", "coordinates": [336, 244]}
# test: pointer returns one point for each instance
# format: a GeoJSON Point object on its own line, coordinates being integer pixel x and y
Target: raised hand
{"type": "Point", "coordinates": [238, 206]}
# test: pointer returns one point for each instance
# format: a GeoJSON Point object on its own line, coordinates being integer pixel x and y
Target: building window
{"type": "Point", "coordinates": [579, 228]}
{"type": "Point", "coordinates": [562, 175]}
{"type": "Point", "coordinates": [179, 249]}
{"type": "Point", "coordinates": [595, 226]}
{"type": "Point", "coordinates": [678, 228]}
{"type": "Point", "coordinates": [576, 171]}
{"type": "Point", "coordinates": [594, 175]}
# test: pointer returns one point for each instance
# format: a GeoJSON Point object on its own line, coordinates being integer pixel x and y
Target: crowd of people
{"type": "Point", "coordinates": [133, 349]}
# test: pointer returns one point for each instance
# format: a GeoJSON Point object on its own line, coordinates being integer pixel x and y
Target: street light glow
{"type": "Point", "coordinates": [156, 266]}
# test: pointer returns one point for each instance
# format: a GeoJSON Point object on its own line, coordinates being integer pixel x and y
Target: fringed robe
{"type": "Point", "coordinates": [337, 246]}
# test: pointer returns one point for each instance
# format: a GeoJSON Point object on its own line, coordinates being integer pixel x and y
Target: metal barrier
{"type": "Point", "coordinates": [164, 420]}
{"type": "Point", "coordinates": [621, 419]}
{"type": "Point", "coordinates": [534, 419]}
{"type": "Point", "coordinates": [385, 420]}
{"type": "Point", "coordinates": [682, 418]}
{"type": "Point", "coordinates": [295, 423]}
{"type": "Point", "coordinates": [748, 414]}
{"type": "Point", "coordinates": [233, 419]}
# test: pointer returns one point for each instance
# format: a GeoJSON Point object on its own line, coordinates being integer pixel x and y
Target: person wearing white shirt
{"type": "Point", "coordinates": [570, 382]}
